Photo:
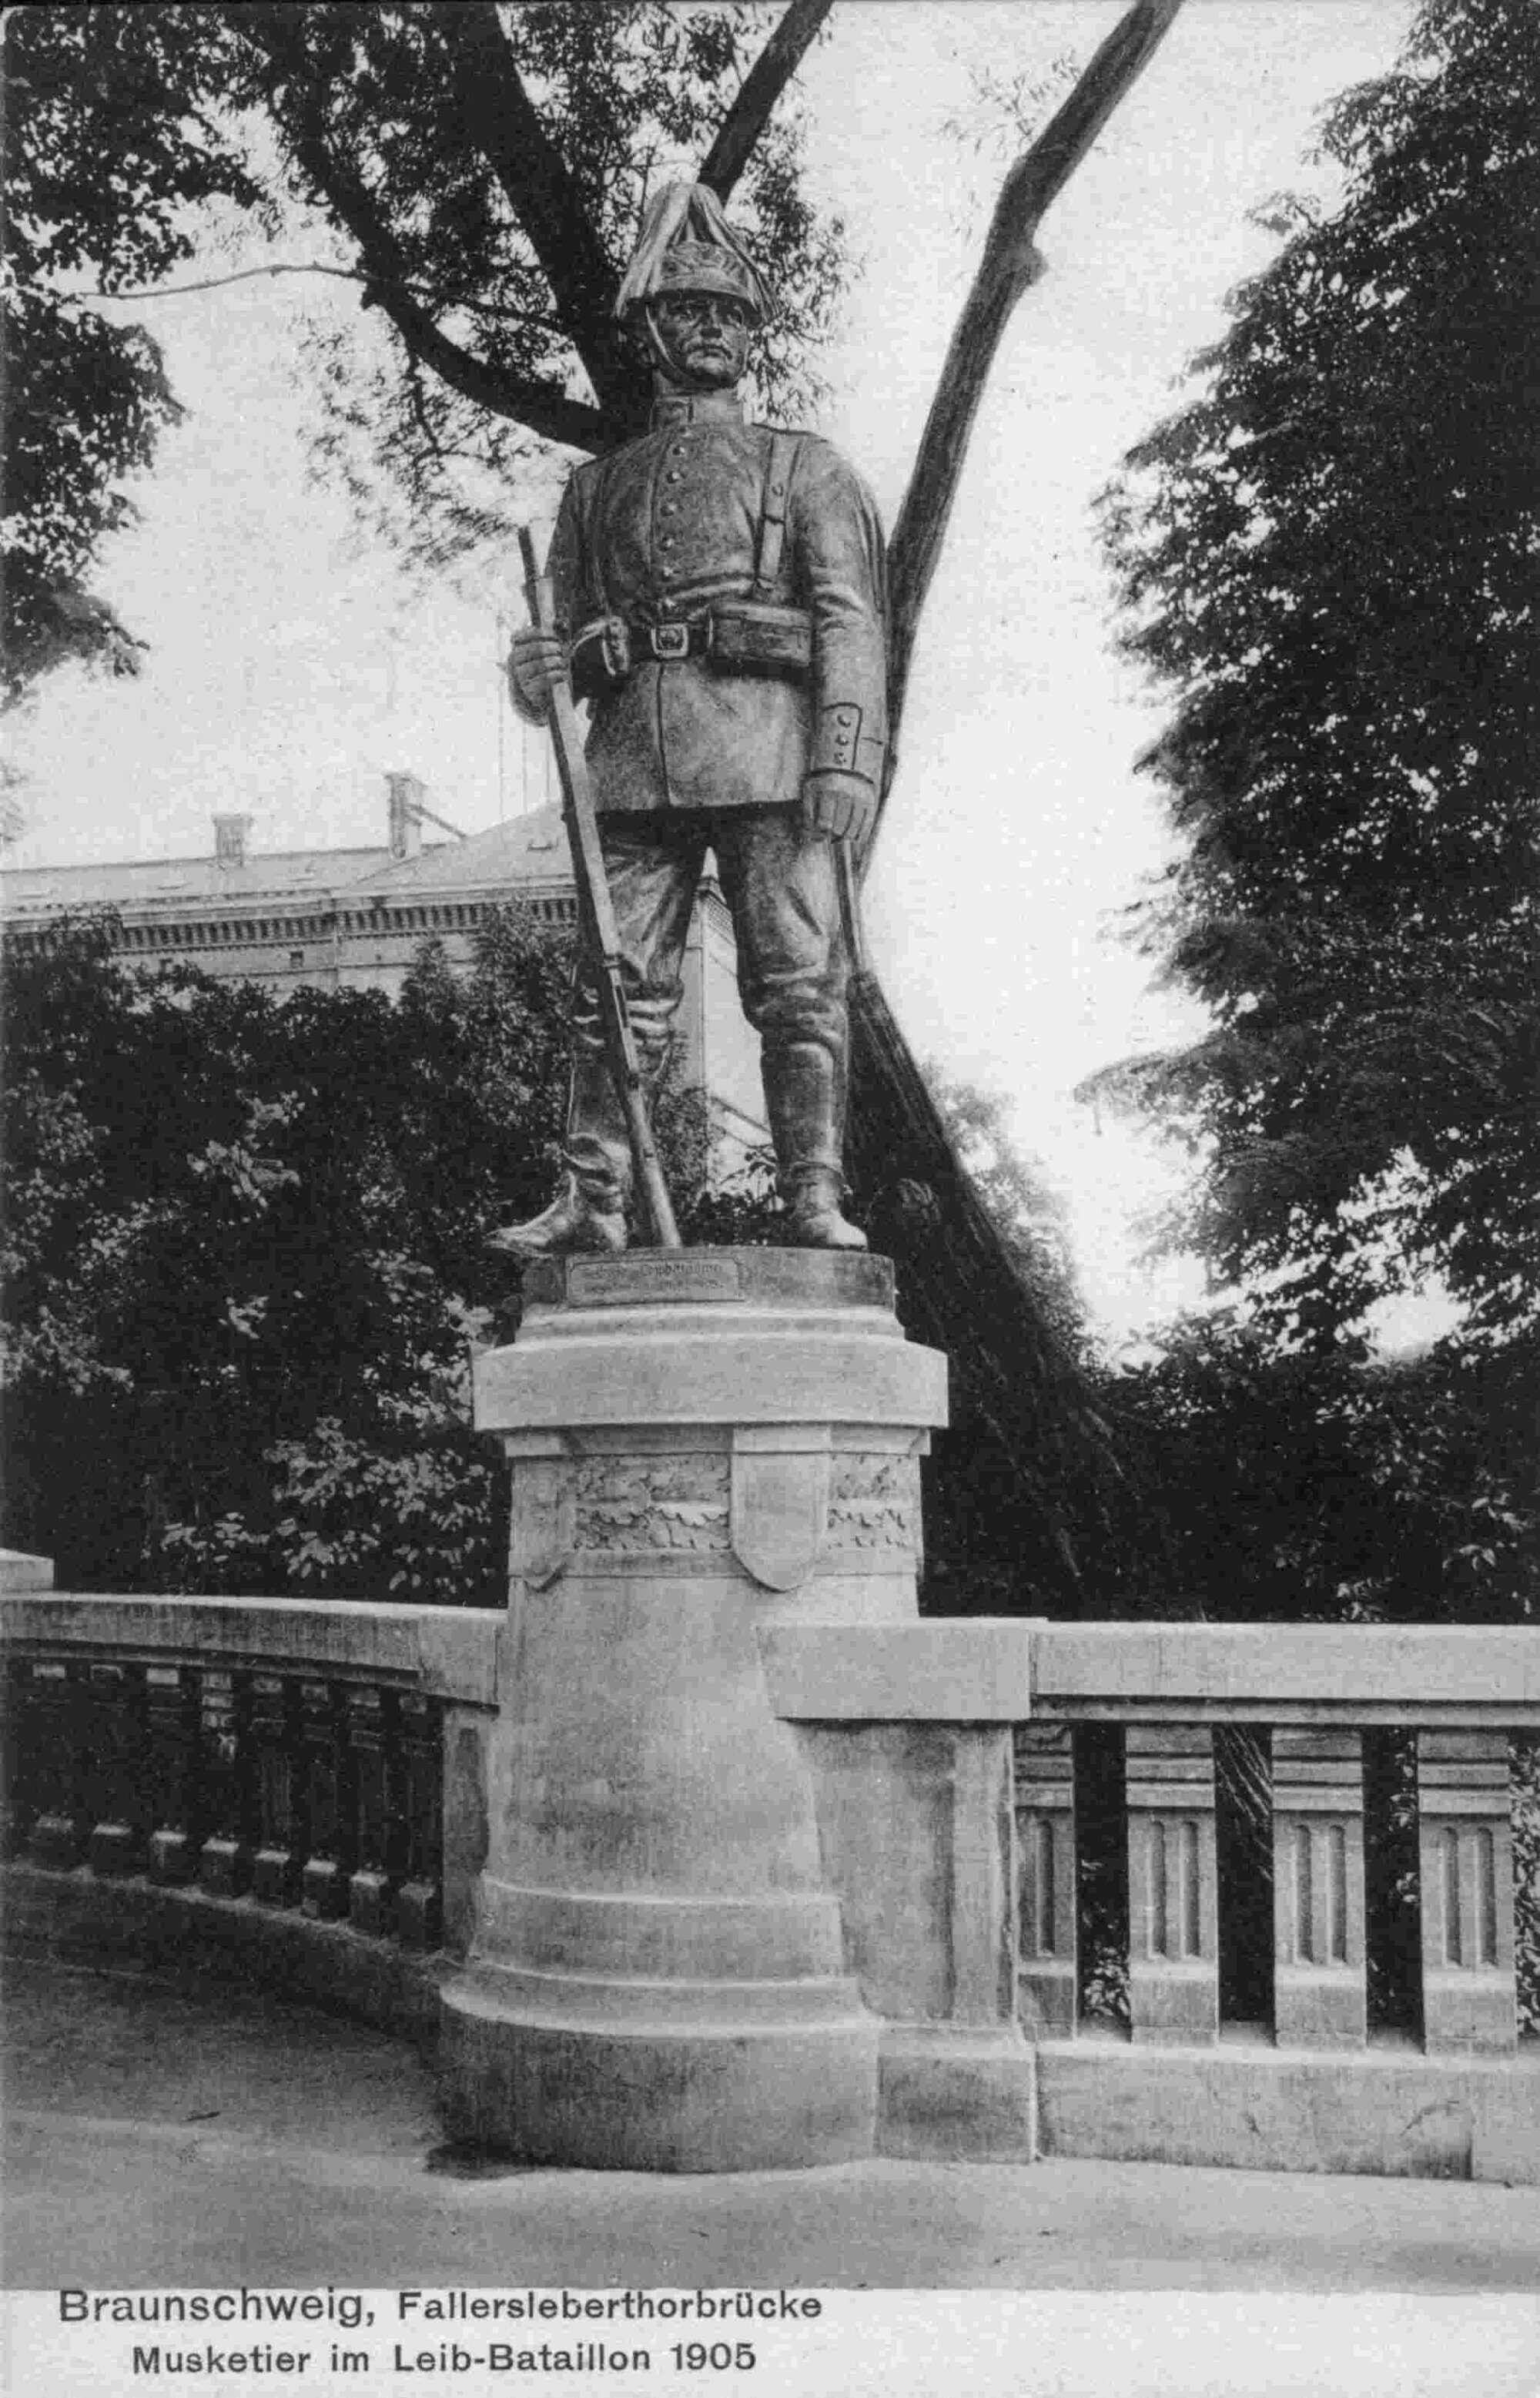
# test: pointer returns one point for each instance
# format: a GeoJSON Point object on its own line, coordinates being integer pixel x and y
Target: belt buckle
{"type": "Point", "coordinates": [670, 641]}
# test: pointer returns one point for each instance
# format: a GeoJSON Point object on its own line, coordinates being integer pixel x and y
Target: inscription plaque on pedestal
{"type": "Point", "coordinates": [627, 1282]}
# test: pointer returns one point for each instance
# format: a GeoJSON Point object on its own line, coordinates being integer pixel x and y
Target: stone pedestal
{"type": "Point", "coordinates": [703, 1444]}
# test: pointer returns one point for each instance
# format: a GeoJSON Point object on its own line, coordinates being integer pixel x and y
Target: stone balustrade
{"type": "Point", "coordinates": [201, 1764]}
{"type": "Point", "coordinates": [1449, 2088]}
{"type": "Point", "coordinates": [1315, 1691]}
{"type": "Point", "coordinates": [917, 1728]}
{"type": "Point", "coordinates": [316, 1775]}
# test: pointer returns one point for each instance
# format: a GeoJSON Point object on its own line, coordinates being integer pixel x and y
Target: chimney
{"type": "Point", "coordinates": [230, 840]}
{"type": "Point", "coordinates": [407, 795]}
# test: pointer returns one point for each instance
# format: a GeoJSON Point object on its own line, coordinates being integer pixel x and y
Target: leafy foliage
{"type": "Point", "coordinates": [1329, 558]}
{"type": "Point", "coordinates": [1028, 1212]}
{"type": "Point", "coordinates": [488, 169]}
{"type": "Point", "coordinates": [243, 1271]}
{"type": "Point", "coordinates": [484, 171]}
{"type": "Point", "coordinates": [1284, 1485]}
{"type": "Point", "coordinates": [243, 1266]}
{"type": "Point", "coordinates": [1015, 1485]}
{"type": "Point", "coordinates": [108, 144]}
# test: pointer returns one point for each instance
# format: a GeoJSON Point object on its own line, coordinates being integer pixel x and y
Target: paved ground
{"type": "Point", "coordinates": [181, 2136]}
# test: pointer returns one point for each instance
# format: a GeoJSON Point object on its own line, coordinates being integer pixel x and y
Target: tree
{"type": "Point", "coordinates": [1328, 560]}
{"type": "Point", "coordinates": [490, 225]}
{"type": "Point", "coordinates": [243, 1265]}
{"type": "Point", "coordinates": [243, 1270]}
{"type": "Point", "coordinates": [1279, 1484]}
{"type": "Point", "coordinates": [480, 170]}
{"type": "Point", "coordinates": [1017, 1487]}
{"type": "Point", "coordinates": [106, 145]}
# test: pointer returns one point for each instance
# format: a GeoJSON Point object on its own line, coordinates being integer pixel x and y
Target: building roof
{"type": "Point", "coordinates": [525, 849]}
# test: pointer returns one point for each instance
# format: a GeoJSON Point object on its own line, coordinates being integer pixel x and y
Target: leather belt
{"type": "Point", "coordinates": [670, 642]}
{"type": "Point", "coordinates": [738, 636]}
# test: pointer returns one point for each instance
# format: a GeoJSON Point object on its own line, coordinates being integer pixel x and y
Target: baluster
{"type": "Point", "coordinates": [1465, 1855]}
{"type": "Point", "coordinates": [421, 1786]}
{"type": "Point", "coordinates": [274, 1742]}
{"type": "Point", "coordinates": [57, 1726]}
{"type": "Point", "coordinates": [1046, 1978]}
{"type": "Point", "coordinates": [17, 1807]}
{"type": "Point", "coordinates": [171, 1720]}
{"type": "Point", "coordinates": [224, 1860]}
{"type": "Point", "coordinates": [1173, 1880]}
{"type": "Point", "coordinates": [329, 1849]}
{"type": "Point", "coordinates": [371, 1729]}
{"type": "Point", "coordinates": [114, 1773]}
{"type": "Point", "coordinates": [1320, 1989]}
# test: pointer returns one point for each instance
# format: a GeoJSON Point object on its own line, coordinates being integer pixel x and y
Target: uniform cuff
{"type": "Point", "coordinates": [839, 745]}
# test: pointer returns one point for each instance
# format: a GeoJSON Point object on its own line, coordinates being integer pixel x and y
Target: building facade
{"type": "Point", "coordinates": [355, 919]}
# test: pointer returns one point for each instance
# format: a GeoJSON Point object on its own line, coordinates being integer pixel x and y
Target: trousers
{"type": "Point", "coordinates": [783, 895]}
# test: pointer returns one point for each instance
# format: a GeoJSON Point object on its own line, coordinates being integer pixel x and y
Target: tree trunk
{"type": "Point", "coordinates": [1009, 266]}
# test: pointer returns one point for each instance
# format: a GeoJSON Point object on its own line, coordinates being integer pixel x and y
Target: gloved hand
{"type": "Point", "coordinates": [840, 807]}
{"type": "Point", "coordinates": [536, 660]}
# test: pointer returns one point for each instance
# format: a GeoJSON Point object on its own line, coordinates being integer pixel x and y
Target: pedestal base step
{"type": "Point", "coordinates": [680, 2087]}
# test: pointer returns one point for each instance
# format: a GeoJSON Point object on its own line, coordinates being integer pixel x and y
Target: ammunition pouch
{"type": "Point", "coordinates": [753, 637]}
{"type": "Point", "coordinates": [601, 657]}
{"type": "Point", "coordinates": [738, 637]}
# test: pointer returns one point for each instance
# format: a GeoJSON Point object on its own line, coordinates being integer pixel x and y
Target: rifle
{"type": "Point", "coordinates": [596, 920]}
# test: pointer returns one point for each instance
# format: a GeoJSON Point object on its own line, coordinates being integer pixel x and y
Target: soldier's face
{"type": "Point", "coordinates": [704, 336]}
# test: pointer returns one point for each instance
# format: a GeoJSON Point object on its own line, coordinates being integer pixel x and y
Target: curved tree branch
{"type": "Point", "coordinates": [543, 407]}
{"type": "Point", "coordinates": [499, 119]}
{"type": "Point", "coordinates": [1009, 266]}
{"type": "Point", "coordinates": [305, 266]}
{"type": "Point", "coordinates": [763, 85]}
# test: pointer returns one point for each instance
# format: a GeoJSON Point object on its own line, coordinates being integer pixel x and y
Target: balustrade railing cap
{"type": "Point", "coordinates": [20, 1572]}
{"type": "Point", "coordinates": [448, 1652]}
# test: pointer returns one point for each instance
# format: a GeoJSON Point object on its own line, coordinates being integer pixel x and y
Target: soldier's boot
{"type": "Point", "coordinates": [588, 1211]}
{"type": "Point", "coordinates": [805, 1085]}
{"type": "Point", "coordinates": [576, 1220]}
{"type": "Point", "coordinates": [812, 1218]}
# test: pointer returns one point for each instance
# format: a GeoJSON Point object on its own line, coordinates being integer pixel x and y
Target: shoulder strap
{"type": "Point", "coordinates": [771, 531]}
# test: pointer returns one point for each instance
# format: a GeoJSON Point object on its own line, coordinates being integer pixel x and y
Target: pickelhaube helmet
{"type": "Point", "coordinates": [686, 243]}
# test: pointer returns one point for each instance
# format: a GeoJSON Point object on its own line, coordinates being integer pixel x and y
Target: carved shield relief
{"type": "Point", "coordinates": [780, 1513]}
{"type": "Point", "coordinates": [540, 1534]}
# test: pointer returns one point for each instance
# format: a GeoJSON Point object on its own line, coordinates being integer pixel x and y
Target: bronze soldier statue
{"type": "Point", "coordinates": [720, 601]}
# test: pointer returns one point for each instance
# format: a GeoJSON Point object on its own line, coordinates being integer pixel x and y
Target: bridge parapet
{"type": "Point", "coordinates": [307, 1784]}
{"type": "Point", "coordinates": [1174, 1788]}
{"type": "Point", "coordinates": [323, 1760]}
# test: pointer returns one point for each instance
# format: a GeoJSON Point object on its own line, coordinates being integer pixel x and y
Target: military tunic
{"type": "Point", "coordinates": [662, 531]}
{"type": "Point", "coordinates": [694, 755]}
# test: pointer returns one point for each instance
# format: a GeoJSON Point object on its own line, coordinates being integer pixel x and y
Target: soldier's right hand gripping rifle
{"type": "Point", "coordinates": [540, 662]}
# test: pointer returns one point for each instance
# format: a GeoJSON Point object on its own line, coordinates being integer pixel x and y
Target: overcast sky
{"type": "Point", "coordinates": [292, 664]}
